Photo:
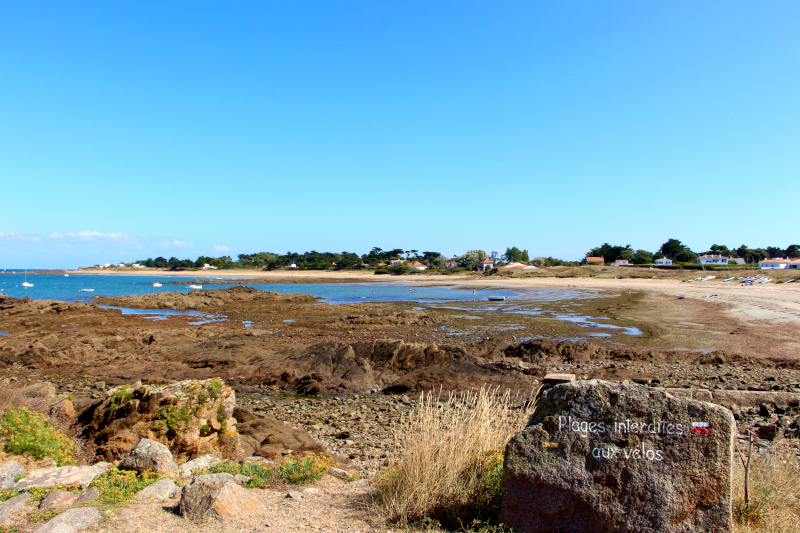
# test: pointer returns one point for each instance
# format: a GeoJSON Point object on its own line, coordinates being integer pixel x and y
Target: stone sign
{"type": "Point", "coordinates": [598, 457]}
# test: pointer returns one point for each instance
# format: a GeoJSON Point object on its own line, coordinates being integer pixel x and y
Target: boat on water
{"type": "Point", "coordinates": [157, 284]}
{"type": "Point", "coordinates": [195, 286]}
{"type": "Point", "coordinates": [86, 290]}
{"type": "Point", "coordinates": [25, 283]}
{"type": "Point", "coordinates": [66, 275]}
{"type": "Point", "coordinates": [496, 298]}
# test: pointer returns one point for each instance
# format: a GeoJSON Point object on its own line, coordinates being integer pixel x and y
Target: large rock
{"type": "Point", "coordinates": [201, 463]}
{"type": "Point", "coordinates": [152, 456]}
{"type": "Point", "coordinates": [71, 520]}
{"type": "Point", "coordinates": [266, 436]}
{"type": "Point", "coordinates": [217, 496]}
{"type": "Point", "coordinates": [192, 418]}
{"type": "Point", "coordinates": [161, 490]}
{"type": "Point", "coordinates": [598, 457]}
{"type": "Point", "coordinates": [61, 476]}
{"type": "Point", "coordinates": [57, 499]}
{"type": "Point", "coordinates": [8, 473]}
{"type": "Point", "coordinates": [11, 506]}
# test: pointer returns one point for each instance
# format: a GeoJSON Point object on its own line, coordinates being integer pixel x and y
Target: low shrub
{"type": "Point", "coordinates": [305, 468]}
{"type": "Point", "coordinates": [260, 475]}
{"type": "Point", "coordinates": [451, 466]}
{"type": "Point", "coordinates": [381, 270]}
{"type": "Point", "coordinates": [118, 486]}
{"type": "Point", "coordinates": [30, 433]}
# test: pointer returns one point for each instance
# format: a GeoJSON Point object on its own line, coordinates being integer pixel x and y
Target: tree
{"type": "Point", "coordinates": [774, 252]}
{"type": "Point", "coordinates": [471, 259]}
{"type": "Point", "coordinates": [539, 262]}
{"type": "Point", "coordinates": [672, 248]}
{"type": "Point", "coordinates": [642, 257]}
{"type": "Point", "coordinates": [717, 249]}
{"type": "Point", "coordinates": [161, 262]}
{"type": "Point", "coordinates": [685, 256]}
{"type": "Point", "coordinates": [611, 253]}
{"type": "Point", "coordinates": [515, 255]}
{"type": "Point", "coordinates": [793, 250]}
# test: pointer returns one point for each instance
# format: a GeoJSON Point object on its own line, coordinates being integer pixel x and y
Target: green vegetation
{"type": "Point", "coordinates": [30, 433]}
{"type": "Point", "coordinates": [260, 475]}
{"type": "Point", "coordinates": [118, 486]}
{"type": "Point", "coordinates": [120, 398]}
{"type": "Point", "coordinates": [305, 468]}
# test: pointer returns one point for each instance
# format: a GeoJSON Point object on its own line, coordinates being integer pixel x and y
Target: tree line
{"type": "Point", "coordinates": [678, 252]}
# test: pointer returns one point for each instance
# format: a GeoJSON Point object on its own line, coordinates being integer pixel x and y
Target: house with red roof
{"type": "Point", "coordinates": [519, 266]}
{"type": "Point", "coordinates": [486, 264]}
{"type": "Point", "coordinates": [417, 265]}
{"type": "Point", "coordinates": [598, 260]}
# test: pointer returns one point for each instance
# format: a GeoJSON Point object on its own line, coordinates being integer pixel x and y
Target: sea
{"type": "Point", "coordinates": [82, 287]}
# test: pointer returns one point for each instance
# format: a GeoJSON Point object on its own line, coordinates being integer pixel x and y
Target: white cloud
{"type": "Point", "coordinates": [55, 235]}
{"type": "Point", "coordinates": [182, 244]}
{"type": "Point", "coordinates": [9, 234]}
{"type": "Point", "coordinates": [89, 235]}
{"type": "Point", "coordinates": [222, 249]}
{"type": "Point", "coordinates": [30, 239]}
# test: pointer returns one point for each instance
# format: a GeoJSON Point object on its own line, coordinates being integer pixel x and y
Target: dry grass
{"type": "Point", "coordinates": [451, 464]}
{"type": "Point", "coordinates": [774, 493]}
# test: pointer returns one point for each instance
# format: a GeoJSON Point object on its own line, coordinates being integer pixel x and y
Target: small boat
{"type": "Point", "coordinates": [195, 286]}
{"type": "Point", "coordinates": [157, 284]}
{"type": "Point", "coordinates": [496, 298]}
{"type": "Point", "coordinates": [729, 279]}
{"type": "Point", "coordinates": [66, 275]}
{"type": "Point", "coordinates": [25, 283]}
{"type": "Point", "coordinates": [86, 290]}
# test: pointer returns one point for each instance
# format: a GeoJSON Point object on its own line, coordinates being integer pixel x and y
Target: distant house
{"type": "Point", "coordinates": [417, 265]}
{"type": "Point", "coordinates": [381, 264]}
{"type": "Point", "coordinates": [712, 259]}
{"type": "Point", "coordinates": [106, 265]}
{"type": "Point", "coordinates": [394, 262]}
{"type": "Point", "coordinates": [486, 264]}
{"type": "Point", "coordinates": [450, 264]}
{"type": "Point", "coordinates": [518, 266]}
{"type": "Point", "coordinates": [794, 263]}
{"type": "Point", "coordinates": [598, 260]}
{"type": "Point", "coordinates": [663, 261]}
{"type": "Point", "coordinates": [620, 262]}
{"type": "Point", "coordinates": [737, 260]}
{"type": "Point", "coordinates": [293, 265]}
{"type": "Point", "coordinates": [774, 263]}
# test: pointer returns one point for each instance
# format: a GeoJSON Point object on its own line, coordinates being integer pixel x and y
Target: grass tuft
{"type": "Point", "coordinates": [451, 467]}
{"type": "Point", "coordinates": [118, 486]}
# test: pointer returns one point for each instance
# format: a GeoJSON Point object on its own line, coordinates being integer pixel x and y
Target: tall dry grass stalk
{"type": "Point", "coordinates": [774, 493]}
{"type": "Point", "coordinates": [451, 458]}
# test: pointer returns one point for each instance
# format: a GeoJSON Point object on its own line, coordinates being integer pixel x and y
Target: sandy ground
{"type": "Point", "coordinates": [768, 302]}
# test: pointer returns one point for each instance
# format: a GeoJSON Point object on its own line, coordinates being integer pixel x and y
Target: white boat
{"type": "Point", "coordinates": [25, 283]}
{"type": "Point", "coordinates": [86, 290]}
{"type": "Point", "coordinates": [195, 286]}
{"type": "Point", "coordinates": [496, 298]}
{"type": "Point", "coordinates": [66, 275]}
{"type": "Point", "coordinates": [157, 284]}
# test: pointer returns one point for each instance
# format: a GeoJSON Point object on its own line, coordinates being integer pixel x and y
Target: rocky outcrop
{"type": "Point", "coordinates": [61, 476]}
{"type": "Point", "coordinates": [161, 490]}
{"type": "Point", "coordinates": [150, 456]}
{"type": "Point", "coordinates": [57, 499]}
{"type": "Point", "coordinates": [203, 300]}
{"type": "Point", "coordinates": [8, 473]}
{"type": "Point", "coordinates": [11, 506]}
{"type": "Point", "coordinates": [265, 436]}
{"type": "Point", "coordinates": [191, 418]}
{"type": "Point", "coordinates": [71, 520]}
{"type": "Point", "coordinates": [599, 457]}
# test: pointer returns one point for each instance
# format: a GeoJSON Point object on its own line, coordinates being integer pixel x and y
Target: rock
{"type": "Point", "coordinates": [161, 490]}
{"type": "Point", "coordinates": [61, 476]}
{"type": "Point", "coordinates": [599, 457]}
{"type": "Point", "coordinates": [259, 460]}
{"type": "Point", "coordinates": [71, 520]}
{"type": "Point", "coordinates": [92, 493]}
{"type": "Point", "coordinates": [10, 506]}
{"type": "Point", "coordinates": [241, 479]}
{"type": "Point", "coordinates": [201, 463]}
{"type": "Point", "coordinates": [57, 499]}
{"type": "Point", "coordinates": [217, 496]}
{"type": "Point", "coordinates": [555, 379]}
{"type": "Point", "coordinates": [338, 472]}
{"type": "Point", "coordinates": [64, 408]}
{"type": "Point", "coordinates": [266, 436]}
{"type": "Point", "coordinates": [192, 418]}
{"type": "Point", "coordinates": [8, 472]}
{"type": "Point", "coordinates": [295, 495]}
{"type": "Point", "coordinates": [39, 391]}
{"type": "Point", "coordinates": [149, 455]}
{"type": "Point", "coordinates": [768, 432]}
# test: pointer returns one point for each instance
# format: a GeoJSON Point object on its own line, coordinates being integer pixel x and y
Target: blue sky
{"type": "Point", "coordinates": [198, 128]}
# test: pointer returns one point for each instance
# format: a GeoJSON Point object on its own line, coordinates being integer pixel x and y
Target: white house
{"type": "Point", "coordinates": [620, 262]}
{"type": "Point", "coordinates": [394, 262]}
{"type": "Point", "coordinates": [711, 259]}
{"type": "Point", "coordinates": [206, 266]}
{"type": "Point", "coordinates": [450, 264]}
{"type": "Point", "coordinates": [417, 265]}
{"type": "Point", "coordinates": [793, 264]}
{"type": "Point", "coordinates": [519, 266]}
{"type": "Point", "coordinates": [486, 264]}
{"type": "Point", "coordinates": [663, 261]}
{"type": "Point", "coordinates": [293, 265]}
{"type": "Point", "coordinates": [774, 263]}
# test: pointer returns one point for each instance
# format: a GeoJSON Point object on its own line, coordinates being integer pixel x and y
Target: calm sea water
{"type": "Point", "coordinates": [59, 287]}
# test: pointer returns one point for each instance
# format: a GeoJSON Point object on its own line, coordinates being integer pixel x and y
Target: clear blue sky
{"type": "Point", "coordinates": [140, 129]}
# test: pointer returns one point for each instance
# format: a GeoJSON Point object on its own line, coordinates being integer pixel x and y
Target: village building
{"type": "Point", "coordinates": [774, 263]}
{"type": "Point", "coordinates": [417, 265]}
{"type": "Point", "coordinates": [794, 263]}
{"type": "Point", "coordinates": [450, 264]}
{"type": "Point", "coordinates": [663, 261]}
{"type": "Point", "coordinates": [712, 259]}
{"type": "Point", "coordinates": [598, 260]}
{"type": "Point", "coordinates": [620, 262]}
{"type": "Point", "coordinates": [486, 264]}
{"type": "Point", "coordinates": [519, 266]}
{"type": "Point", "coordinates": [394, 262]}
{"type": "Point", "coordinates": [206, 266]}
